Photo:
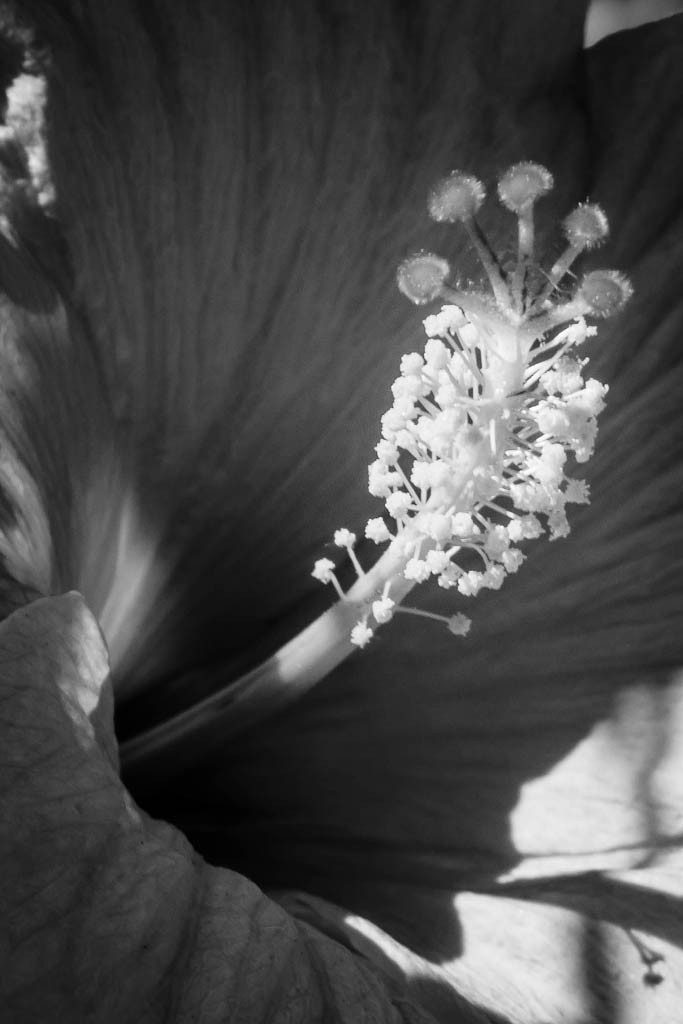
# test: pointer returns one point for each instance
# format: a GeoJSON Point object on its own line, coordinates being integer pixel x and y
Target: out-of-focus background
{"type": "Point", "coordinates": [607, 16]}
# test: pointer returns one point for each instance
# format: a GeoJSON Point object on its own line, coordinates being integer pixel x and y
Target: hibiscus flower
{"type": "Point", "coordinates": [201, 226]}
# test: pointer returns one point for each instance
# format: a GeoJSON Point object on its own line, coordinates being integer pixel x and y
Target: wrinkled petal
{"type": "Point", "coordinates": [109, 915]}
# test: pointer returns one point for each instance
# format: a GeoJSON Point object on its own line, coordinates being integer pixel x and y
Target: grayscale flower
{"type": "Point", "coordinates": [203, 208]}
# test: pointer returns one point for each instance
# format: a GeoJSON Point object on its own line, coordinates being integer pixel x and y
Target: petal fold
{"type": "Point", "coordinates": [109, 915]}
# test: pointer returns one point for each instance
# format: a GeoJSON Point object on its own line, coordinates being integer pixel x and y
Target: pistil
{"type": "Point", "coordinates": [474, 447]}
{"type": "Point", "coordinates": [474, 456]}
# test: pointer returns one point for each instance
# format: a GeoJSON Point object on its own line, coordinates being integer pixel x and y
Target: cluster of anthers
{"type": "Point", "coordinates": [474, 452]}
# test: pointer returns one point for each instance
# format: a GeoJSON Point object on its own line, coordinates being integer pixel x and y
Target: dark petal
{"type": "Point", "coordinates": [237, 185]}
{"type": "Point", "coordinates": [110, 916]}
{"type": "Point", "coordinates": [547, 742]}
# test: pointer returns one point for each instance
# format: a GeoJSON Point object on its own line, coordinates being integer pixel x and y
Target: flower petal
{"type": "Point", "coordinates": [109, 914]}
{"type": "Point", "coordinates": [349, 793]}
{"type": "Point", "coordinates": [234, 238]}
{"type": "Point", "coordinates": [538, 746]}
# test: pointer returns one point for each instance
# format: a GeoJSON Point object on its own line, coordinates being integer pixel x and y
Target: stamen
{"type": "Point", "coordinates": [482, 423]}
{"type": "Point", "coordinates": [345, 539]}
{"type": "Point", "coordinates": [377, 530]}
{"type": "Point", "coordinates": [383, 610]}
{"type": "Point", "coordinates": [528, 408]}
{"type": "Point", "coordinates": [361, 634]}
{"type": "Point", "coordinates": [458, 624]}
{"type": "Point", "coordinates": [323, 570]}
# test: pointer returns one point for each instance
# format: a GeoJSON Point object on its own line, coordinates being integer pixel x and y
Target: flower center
{"type": "Point", "coordinates": [473, 455]}
{"type": "Point", "coordinates": [472, 460]}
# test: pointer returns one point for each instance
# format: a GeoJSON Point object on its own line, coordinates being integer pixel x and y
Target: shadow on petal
{"type": "Point", "coordinates": [231, 229]}
{"type": "Point", "coordinates": [402, 770]}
